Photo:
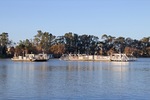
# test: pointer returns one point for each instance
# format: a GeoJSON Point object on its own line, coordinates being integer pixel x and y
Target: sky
{"type": "Point", "coordinates": [21, 19]}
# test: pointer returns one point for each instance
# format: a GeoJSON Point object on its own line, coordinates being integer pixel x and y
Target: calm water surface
{"type": "Point", "coordinates": [57, 79]}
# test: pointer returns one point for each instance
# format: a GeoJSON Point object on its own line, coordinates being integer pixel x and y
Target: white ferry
{"type": "Point", "coordinates": [83, 57]}
{"type": "Point", "coordinates": [31, 57]}
{"type": "Point", "coordinates": [121, 57]}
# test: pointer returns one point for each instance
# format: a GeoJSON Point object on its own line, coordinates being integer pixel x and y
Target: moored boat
{"type": "Point", "coordinates": [83, 57]}
{"type": "Point", "coordinates": [31, 57]}
{"type": "Point", "coordinates": [121, 57]}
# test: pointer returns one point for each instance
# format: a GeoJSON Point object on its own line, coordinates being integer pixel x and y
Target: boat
{"type": "Point", "coordinates": [31, 57]}
{"type": "Point", "coordinates": [83, 57]}
{"type": "Point", "coordinates": [121, 57]}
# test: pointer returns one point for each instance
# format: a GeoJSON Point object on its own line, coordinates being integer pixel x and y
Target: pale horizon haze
{"type": "Point", "coordinates": [22, 18]}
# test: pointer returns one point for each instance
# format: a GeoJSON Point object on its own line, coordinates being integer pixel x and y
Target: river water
{"type": "Point", "coordinates": [57, 79]}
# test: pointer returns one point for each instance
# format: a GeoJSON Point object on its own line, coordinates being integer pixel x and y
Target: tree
{"type": "Point", "coordinates": [69, 42]}
{"type": "Point", "coordinates": [4, 39]}
{"type": "Point", "coordinates": [4, 42]}
{"type": "Point", "coordinates": [43, 41]}
{"type": "Point", "coordinates": [108, 38]}
{"type": "Point", "coordinates": [145, 44]}
{"type": "Point", "coordinates": [104, 36]}
{"type": "Point", "coordinates": [93, 44]}
{"type": "Point", "coordinates": [57, 49]}
{"type": "Point", "coordinates": [25, 47]}
{"type": "Point", "coordinates": [108, 45]}
{"type": "Point", "coordinates": [84, 44]}
{"type": "Point", "coordinates": [120, 44]}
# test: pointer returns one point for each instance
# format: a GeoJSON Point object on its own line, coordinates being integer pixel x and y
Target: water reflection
{"type": "Point", "coordinates": [92, 66]}
{"type": "Point", "coordinates": [57, 79]}
{"type": "Point", "coordinates": [120, 63]}
{"type": "Point", "coordinates": [71, 66]}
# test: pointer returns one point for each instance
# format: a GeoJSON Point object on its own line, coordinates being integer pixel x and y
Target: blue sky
{"type": "Point", "coordinates": [127, 18]}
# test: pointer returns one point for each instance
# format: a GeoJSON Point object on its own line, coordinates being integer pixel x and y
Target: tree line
{"type": "Point", "coordinates": [76, 44]}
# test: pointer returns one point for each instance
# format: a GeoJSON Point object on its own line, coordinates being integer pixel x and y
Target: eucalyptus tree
{"type": "Point", "coordinates": [58, 46]}
{"type": "Point", "coordinates": [88, 44]}
{"type": "Point", "coordinates": [108, 38]}
{"type": "Point", "coordinates": [59, 39]}
{"type": "Point", "coordinates": [120, 44]}
{"type": "Point", "coordinates": [69, 42]}
{"type": "Point", "coordinates": [25, 47]}
{"type": "Point", "coordinates": [43, 41]}
{"type": "Point", "coordinates": [83, 44]}
{"type": "Point", "coordinates": [108, 43]}
{"type": "Point", "coordinates": [4, 39]}
{"type": "Point", "coordinates": [129, 47]}
{"type": "Point", "coordinates": [100, 48]}
{"type": "Point", "coordinates": [20, 48]}
{"type": "Point", "coordinates": [105, 37]}
{"type": "Point", "coordinates": [93, 44]}
{"type": "Point", "coordinates": [129, 42]}
{"type": "Point", "coordinates": [145, 44]}
{"type": "Point", "coordinates": [57, 49]}
{"type": "Point", "coordinates": [4, 42]}
{"type": "Point", "coordinates": [75, 43]}
{"type": "Point", "coordinates": [145, 39]}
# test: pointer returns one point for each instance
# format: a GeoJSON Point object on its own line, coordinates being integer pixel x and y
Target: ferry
{"type": "Point", "coordinates": [31, 57]}
{"type": "Point", "coordinates": [83, 57]}
{"type": "Point", "coordinates": [121, 57]}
